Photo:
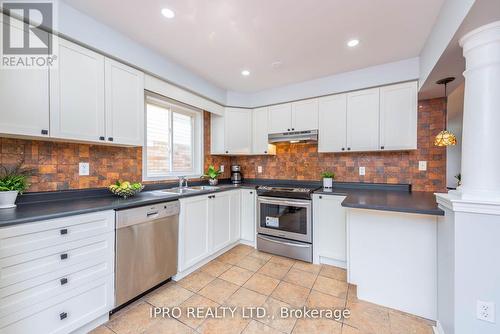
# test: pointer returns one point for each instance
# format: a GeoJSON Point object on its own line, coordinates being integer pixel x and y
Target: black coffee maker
{"type": "Point", "coordinates": [236, 176]}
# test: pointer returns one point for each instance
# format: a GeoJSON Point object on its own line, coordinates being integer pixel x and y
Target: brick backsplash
{"type": "Point", "coordinates": [302, 161]}
{"type": "Point", "coordinates": [57, 162]}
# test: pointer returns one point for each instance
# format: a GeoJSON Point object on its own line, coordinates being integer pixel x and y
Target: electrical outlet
{"type": "Point", "coordinates": [362, 171]}
{"type": "Point", "coordinates": [222, 168]}
{"type": "Point", "coordinates": [422, 166]}
{"type": "Point", "coordinates": [84, 169]}
{"type": "Point", "coordinates": [259, 169]}
{"type": "Point", "coordinates": [485, 311]}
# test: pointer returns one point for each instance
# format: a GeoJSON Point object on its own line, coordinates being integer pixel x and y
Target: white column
{"type": "Point", "coordinates": [481, 122]}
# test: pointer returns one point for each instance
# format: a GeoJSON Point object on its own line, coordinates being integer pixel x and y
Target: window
{"type": "Point", "coordinates": [173, 140]}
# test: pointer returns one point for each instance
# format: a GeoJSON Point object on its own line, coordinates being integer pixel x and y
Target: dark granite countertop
{"type": "Point", "coordinates": [37, 207]}
{"type": "Point", "coordinates": [387, 200]}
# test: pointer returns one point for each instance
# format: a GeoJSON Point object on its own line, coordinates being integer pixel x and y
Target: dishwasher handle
{"type": "Point", "coordinates": [144, 214]}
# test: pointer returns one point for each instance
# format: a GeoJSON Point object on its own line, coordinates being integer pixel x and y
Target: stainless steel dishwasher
{"type": "Point", "coordinates": [146, 248]}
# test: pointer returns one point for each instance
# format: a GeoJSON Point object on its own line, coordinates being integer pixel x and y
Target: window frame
{"type": "Point", "coordinates": [197, 139]}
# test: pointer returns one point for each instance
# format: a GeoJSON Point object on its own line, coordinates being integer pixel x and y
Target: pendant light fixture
{"type": "Point", "coordinates": [445, 137]}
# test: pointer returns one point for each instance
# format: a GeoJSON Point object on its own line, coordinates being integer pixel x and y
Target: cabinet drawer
{"type": "Point", "coordinates": [63, 313]}
{"type": "Point", "coordinates": [29, 237]}
{"type": "Point", "coordinates": [22, 267]}
{"type": "Point", "coordinates": [16, 297]}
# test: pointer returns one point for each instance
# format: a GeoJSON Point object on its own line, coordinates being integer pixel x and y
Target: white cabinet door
{"type": "Point", "coordinates": [24, 99]}
{"type": "Point", "coordinates": [217, 134]}
{"type": "Point", "coordinates": [305, 115]}
{"type": "Point", "coordinates": [398, 116]}
{"type": "Point", "coordinates": [77, 94]}
{"type": "Point", "coordinates": [248, 209]}
{"type": "Point", "coordinates": [363, 120]}
{"type": "Point", "coordinates": [220, 221]}
{"type": "Point", "coordinates": [238, 131]}
{"type": "Point", "coordinates": [332, 123]}
{"type": "Point", "coordinates": [193, 231]}
{"type": "Point", "coordinates": [124, 104]}
{"type": "Point", "coordinates": [260, 131]}
{"type": "Point", "coordinates": [329, 232]}
{"type": "Point", "coordinates": [280, 118]}
{"type": "Point", "coordinates": [235, 215]}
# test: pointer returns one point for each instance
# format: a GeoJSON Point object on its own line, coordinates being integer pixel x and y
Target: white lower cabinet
{"type": "Point", "coordinates": [57, 276]}
{"type": "Point", "coordinates": [207, 224]}
{"type": "Point", "coordinates": [329, 232]}
{"type": "Point", "coordinates": [248, 212]}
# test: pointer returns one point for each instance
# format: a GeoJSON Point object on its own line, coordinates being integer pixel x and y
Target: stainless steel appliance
{"type": "Point", "coordinates": [236, 176]}
{"type": "Point", "coordinates": [293, 136]}
{"type": "Point", "coordinates": [146, 248]}
{"type": "Point", "coordinates": [284, 221]}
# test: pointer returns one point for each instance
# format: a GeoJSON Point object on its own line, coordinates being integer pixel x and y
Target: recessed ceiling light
{"type": "Point", "coordinates": [352, 43]}
{"type": "Point", "coordinates": [245, 73]}
{"type": "Point", "coordinates": [168, 13]}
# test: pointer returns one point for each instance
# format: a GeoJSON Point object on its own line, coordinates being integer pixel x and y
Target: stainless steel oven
{"type": "Point", "coordinates": [284, 221]}
{"type": "Point", "coordinates": [285, 218]}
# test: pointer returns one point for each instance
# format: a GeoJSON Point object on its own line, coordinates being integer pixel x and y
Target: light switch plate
{"type": "Point", "coordinates": [222, 168]}
{"type": "Point", "coordinates": [259, 169]}
{"type": "Point", "coordinates": [422, 166]}
{"type": "Point", "coordinates": [84, 169]}
{"type": "Point", "coordinates": [362, 171]}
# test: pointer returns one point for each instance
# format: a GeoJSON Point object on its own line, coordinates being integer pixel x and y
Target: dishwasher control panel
{"type": "Point", "coordinates": [146, 213]}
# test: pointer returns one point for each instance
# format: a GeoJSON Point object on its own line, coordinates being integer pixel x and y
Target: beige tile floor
{"type": "Point", "coordinates": [245, 277]}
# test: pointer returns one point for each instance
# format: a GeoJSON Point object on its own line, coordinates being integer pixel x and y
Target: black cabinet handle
{"type": "Point", "coordinates": [64, 256]}
{"type": "Point", "coordinates": [45, 132]}
{"type": "Point", "coordinates": [63, 280]}
{"type": "Point", "coordinates": [293, 129]}
{"type": "Point", "coordinates": [63, 231]}
{"type": "Point", "coordinates": [265, 152]}
{"type": "Point", "coordinates": [110, 138]}
{"type": "Point", "coordinates": [251, 192]}
{"type": "Point", "coordinates": [343, 149]}
{"type": "Point", "coordinates": [227, 151]}
{"type": "Point", "coordinates": [320, 197]}
{"type": "Point", "coordinates": [348, 148]}
{"type": "Point", "coordinates": [288, 129]}
{"type": "Point", "coordinates": [102, 138]}
{"type": "Point", "coordinates": [381, 147]}
{"type": "Point", "coordinates": [63, 315]}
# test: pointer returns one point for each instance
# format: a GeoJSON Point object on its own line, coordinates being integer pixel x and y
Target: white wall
{"type": "Point", "coordinates": [455, 112]}
{"type": "Point", "coordinates": [404, 70]}
{"type": "Point", "coordinates": [450, 18]}
{"type": "Point", "coordinates": [83, 28]}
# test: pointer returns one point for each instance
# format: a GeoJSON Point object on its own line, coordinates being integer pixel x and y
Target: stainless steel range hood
{"type": "Point", "coordinates": [293, 136]}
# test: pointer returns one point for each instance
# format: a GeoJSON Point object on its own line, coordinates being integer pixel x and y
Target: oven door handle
{"type": "Point", "coordinates": [306, 204]}
{"type": "Point", "coordinates": [284, 243]}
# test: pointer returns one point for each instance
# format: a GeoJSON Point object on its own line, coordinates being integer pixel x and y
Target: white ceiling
{"type": "Point", "coordinates": [216, 39]}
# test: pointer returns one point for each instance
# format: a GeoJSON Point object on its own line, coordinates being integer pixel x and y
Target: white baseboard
{"type": "Point", "coordinates": [332, 262]}
{"type": "Point", "coordinates": [92, 325]}
{"type": "Point", "coordinates": [194, 267]}
{"type": "Point", "coordinates": [248, 242]}
{"type": "Point", "coordinates": [438, 329]}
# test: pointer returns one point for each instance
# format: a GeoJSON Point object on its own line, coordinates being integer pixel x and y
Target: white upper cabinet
{"type": "Point", "coordinates": [305, 115]}
{"type": "Point", "coordinates": [260, 131]}
{"type": "Point", "coordinates": [238, 131]}
{"type": "Point", "coordinates": [124, 104]}
{"type": "Point", "coordinates": [24, 100]}
{"type": "Point", "coordinates": [77, 94]}
{"type": "Point", "coordinates": [398, 116]}
{"type": "Point", "coordinates": [332, 123]}
{"type": "Point", "coordinates": [363, 120]}
{"type": "Point", "coordinates": [280, 118]}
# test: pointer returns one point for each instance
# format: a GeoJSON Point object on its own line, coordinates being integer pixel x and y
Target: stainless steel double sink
{"type": "Point", "coordinates": [188, 190]}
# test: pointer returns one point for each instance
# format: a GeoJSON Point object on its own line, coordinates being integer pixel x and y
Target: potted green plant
{"type": "Point", "coordinates": [327, 179]}
{"type": "Point", "coordinates": [459, 179]}
{"type": "Point", "coordinates": [13, 181]}
{"type": "Point", "coordinates": [212, 174]}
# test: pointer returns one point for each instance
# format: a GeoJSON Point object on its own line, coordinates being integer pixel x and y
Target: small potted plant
{"type": "Point", "coordinates": [212, 174]}
{"type": "Point", "coordinates": [459, 179]}
{"type": "Point", "coordinates": [327, 179]}
{"type": "Point", "coordinates": [13, 181]}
